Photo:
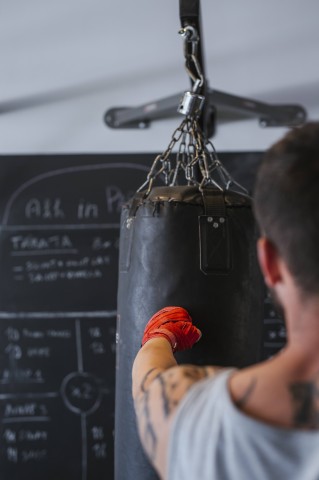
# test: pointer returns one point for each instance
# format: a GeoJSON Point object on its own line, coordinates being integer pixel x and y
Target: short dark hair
{"type": "Point", "coordinates": [286, 203]}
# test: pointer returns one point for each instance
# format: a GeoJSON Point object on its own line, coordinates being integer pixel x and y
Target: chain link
{"type": "Point", "coordinates": [196, 159]}
{"type": "Point", "coordinates": [196, 156]}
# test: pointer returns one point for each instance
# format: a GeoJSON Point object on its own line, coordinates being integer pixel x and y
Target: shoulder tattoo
{"type": "Point", "coordinates": [241, 402]}
{"type": "Point", "coordinates": [305, 400]}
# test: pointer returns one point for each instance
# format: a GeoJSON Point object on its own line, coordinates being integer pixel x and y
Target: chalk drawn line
{"type": "Point", "coordinates": [31, 227]}
{"type": "Point", "coordinates": [26, 253]}
{"type": "Point", "coordinates": [84, 446]}
{"type": "Point", "coordinates": [31, 396]}
{"type": "Point", "coordinates": [49, 315]}
{"type": "Point", "coordinates": [79, 352]}
{"type": "Point", "coordinates": [25, 419]}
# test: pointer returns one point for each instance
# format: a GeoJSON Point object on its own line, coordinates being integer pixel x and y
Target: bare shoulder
{"type": "Point", "coordinates": [242, 385]}
{"type": "Point", "coordinates": [277, 395]}
{"type": "Point", "coordinates": [157, 404]}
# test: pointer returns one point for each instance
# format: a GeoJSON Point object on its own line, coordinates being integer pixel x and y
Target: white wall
{"type": "Point", "coordinates": [74, 59]}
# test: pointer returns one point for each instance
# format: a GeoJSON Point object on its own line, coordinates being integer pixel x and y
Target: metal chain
{"type": "Point", "coordinates": [195, 154]}
{"type": "Point", "coordinates": [162, 163]}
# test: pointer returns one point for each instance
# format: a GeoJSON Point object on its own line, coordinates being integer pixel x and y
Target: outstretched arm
{"type": "Point", "coordinates": [159, 384]}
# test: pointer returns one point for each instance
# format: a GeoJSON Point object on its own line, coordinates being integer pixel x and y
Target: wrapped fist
{"type": "Point", "coordinates": [176, 325]}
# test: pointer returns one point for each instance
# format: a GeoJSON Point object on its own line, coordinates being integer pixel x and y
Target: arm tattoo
{"type": "Point", "coordinates": [196, 373]}
{"type": "Point", "coordinates": [241, 402]}
{"type": "Point", "coordinates": [305, 396]}
{"type": "Point", "coordinates": [173, 389]}
{"type": "Point", "coordinates": [145, 378]}
{"type": "Point", "coordinates": [147, 430]}
{"type": "Point", "coordinates": [159, 397]}
{"type": "Point", "coordinates": [164, 394]}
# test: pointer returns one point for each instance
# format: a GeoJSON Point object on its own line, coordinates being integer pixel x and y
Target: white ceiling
{"type": "Point", "coordinates": [65, 62]}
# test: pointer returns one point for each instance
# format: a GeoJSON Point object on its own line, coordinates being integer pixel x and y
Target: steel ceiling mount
{"type": "Point", "coordinates": [269, 115]}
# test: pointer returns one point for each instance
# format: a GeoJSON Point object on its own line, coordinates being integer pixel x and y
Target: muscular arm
{"type": "Point", "coordinates": [159, 384]}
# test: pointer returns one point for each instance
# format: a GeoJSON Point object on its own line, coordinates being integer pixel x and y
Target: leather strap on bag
{"type": "Point", "coordinates": [214, 235]}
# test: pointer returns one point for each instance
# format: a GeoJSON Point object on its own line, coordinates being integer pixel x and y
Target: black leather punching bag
{"type": "Point", "coordinates": [181, 246]}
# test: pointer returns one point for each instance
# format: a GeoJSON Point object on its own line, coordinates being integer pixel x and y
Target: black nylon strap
{"type": "Point", "coordinates": [214, 203]}
{"type": "Point", "coordinates": [189, 11]}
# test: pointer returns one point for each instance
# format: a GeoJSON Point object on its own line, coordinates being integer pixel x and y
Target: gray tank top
{"type": "Point", "coordinates": [212, 439]}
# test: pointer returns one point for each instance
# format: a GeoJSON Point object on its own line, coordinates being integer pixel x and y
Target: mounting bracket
{"type": "Point", "coordinates": [269, 115]}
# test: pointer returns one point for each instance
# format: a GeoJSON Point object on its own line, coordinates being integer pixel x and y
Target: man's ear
{"type": "Point", "coordinates": [269, 261]}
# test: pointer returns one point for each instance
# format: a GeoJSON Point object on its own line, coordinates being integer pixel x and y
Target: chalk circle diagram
{"type": "Point", "coordinates": [81, 393]}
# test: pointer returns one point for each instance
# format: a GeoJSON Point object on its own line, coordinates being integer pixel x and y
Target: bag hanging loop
{"type": "Point", "coordinates": [192, 64]}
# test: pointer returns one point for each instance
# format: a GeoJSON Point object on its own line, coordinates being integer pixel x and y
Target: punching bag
{"type": "Point", "coordinates": [196, 248]}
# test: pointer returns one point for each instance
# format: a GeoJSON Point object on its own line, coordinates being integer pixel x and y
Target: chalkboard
{"type": "Point", "coordinates": [59, 243]}
{"type": "Point", "coordinates": [58, 282]}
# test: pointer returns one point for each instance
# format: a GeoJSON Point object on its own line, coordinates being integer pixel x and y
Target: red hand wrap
{"type": "Point", "coordinates": [174, 324]}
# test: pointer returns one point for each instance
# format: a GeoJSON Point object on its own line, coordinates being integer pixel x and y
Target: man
{"type": "Point", "coordinates": [261, 422]}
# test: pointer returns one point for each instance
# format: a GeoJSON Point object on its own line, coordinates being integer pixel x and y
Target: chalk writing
{"type": "Point", "coordinates": [99, 450]}
{"type": "Point", "coordinates": [81, 393]}
{"type": "Point", "coordinates": [95, 332]}
{"type": "Point", "coordinates": [274, 334]}
{"type": "Point", "coordinates": [21, 375]}
{"type": "Point", "coordinates": [12, 334]}
{"type": "Point", "coordinates": [59, 333]}
{"type": "Point", "coordinates": [115, 198]}
{"type": "Point", "coordinates": [12, 454]}
{"type": "Point", "coordinates": [97, 433]}
{"type": "Point", "coordinates": [32, 409]}
{"type": "Point", "coordinates": [46, 208]}
{"type": "Point", "coordinates": [33, 242]}
{"type": "Point", "coordinates": [9, 436]}
{"type": "Point", "coordinates": [67, 275]}
{"type": "Point", "coordinates": [33, 455]}
{"type": "Point", "coordinates": [32, 435]}
{"type": "Point", "coordinates": [87, 210]}
{"type": "Point", "coordinates": [35, 334]}
{"type": "Point", "coordinates": [97, 348]}
{"type": "Point", "coordinates": [101, 244]}
{"type": "Point", "coordinates": [14, 351]}
{"type": "Point", "coordinates": [42, 352]}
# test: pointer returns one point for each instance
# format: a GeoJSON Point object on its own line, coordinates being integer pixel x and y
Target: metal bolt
{"type": "Point", "coordinates": [210, 219]}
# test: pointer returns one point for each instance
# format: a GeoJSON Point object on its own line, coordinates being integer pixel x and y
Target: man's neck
{"type": "Point", "coordinates": [302, 322]}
